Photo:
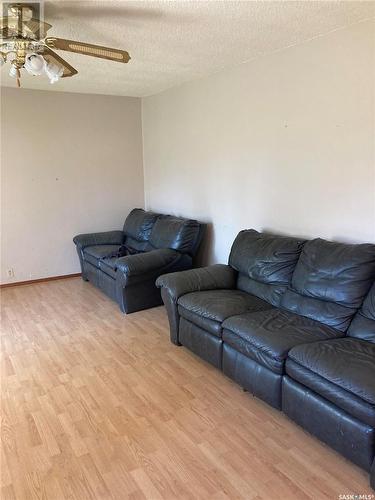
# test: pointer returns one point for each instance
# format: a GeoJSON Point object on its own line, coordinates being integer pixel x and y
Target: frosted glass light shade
{"type": "Point", "coordinates": [35, 64]}
{"type": "Point", "coordinates": [14, 72]}
{"type": "Point", "coordinates": [54, 72]}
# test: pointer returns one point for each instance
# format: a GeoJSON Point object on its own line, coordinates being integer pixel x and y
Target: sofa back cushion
{"type": "Point", "coordinates": [137, 229]}
{"type": "Point", "coordinates": [176, 233]}
{"type": "Point", "coordinates": [363, 324]}
{"type": "Point", "coordinates": [330, 281]}
{"type": "Point", "coordinates": [265, 263]}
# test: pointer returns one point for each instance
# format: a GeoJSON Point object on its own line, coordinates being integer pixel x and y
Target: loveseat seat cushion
{"type": "Point", "coordinates": [109, 266]}
{"type": "Point", "coordinates": [265, 263]}
{"type": "Point", "coordinates": [341, 371]}
{"type": "Point", "coordinates": [267, 336]}
{"type": "Point", "coordinates": [93, 254]}
{"type": "Point", "coordinates": [208, 309]}
{"type": "Point", "coordinates": [330, 281]}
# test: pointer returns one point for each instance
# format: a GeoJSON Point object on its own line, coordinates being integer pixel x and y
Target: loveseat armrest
{"type": "Point", "coordinates": [105, 238]}
{"type": "Point", "coordinates": [214, 277]}
{"type": "Point", "coordinates": [174, 285]}
{"type": "Point", "coordinates": [136, 275]}
{"type": "Point", "coordinates": [143, 264]}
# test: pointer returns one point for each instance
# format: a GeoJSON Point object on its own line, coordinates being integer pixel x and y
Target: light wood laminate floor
{"type": "Point", "coordinates": [96, 404]}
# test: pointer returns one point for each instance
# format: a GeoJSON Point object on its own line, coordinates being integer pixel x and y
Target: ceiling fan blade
{"type": "Point", "coordinates": [51, 56]}
{"type": "Point", "coordinates": [88, 49]}
{"type": "Point", "coordinates": [37, 27]}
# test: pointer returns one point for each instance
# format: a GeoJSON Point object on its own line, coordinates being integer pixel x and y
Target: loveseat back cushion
{"type": "Point", "coordinates": [265, 263]}
{"type": "Point", "coordinates": [139, 223]}
{"type": "Point", "coordinates": [363, 324]}
{"type": "Point", "coordinates": [330, 281]}
{"type": "Point", "coordinates": [175, 233]}
{"type": "Point", "coordinates": [137, 229]}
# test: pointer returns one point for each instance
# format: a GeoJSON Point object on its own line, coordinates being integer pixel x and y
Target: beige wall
{"type": "Point", "coordinates": [70, 164]}
{"type": "Point", "coordinates": [284, 143]}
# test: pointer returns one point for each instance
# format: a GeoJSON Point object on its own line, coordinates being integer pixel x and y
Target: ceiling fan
{"type": "Point", "coordinates": [25, 44]}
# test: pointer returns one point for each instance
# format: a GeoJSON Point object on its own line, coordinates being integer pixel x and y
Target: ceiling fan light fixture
{"type": "Point", "coordinates": [24, 44]}
{"type": "Point", "coordinates": [35, 64]}
{"type": "Point", "coordinates": [54, 72]}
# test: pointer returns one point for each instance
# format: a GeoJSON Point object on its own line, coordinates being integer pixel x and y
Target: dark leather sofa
{"type": "Point", "coordinates": [159, 244]}
{"type": "Point", "coordinates": [293, 322]}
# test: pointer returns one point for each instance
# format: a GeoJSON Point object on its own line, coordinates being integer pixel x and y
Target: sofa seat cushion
{"type": "Point", "coordinates": [208, 309]}
{"type": "Point", "coordinates": [267, 336]}
{"type": "Point", "coordinates": [96, 252]}
{"type": "Point", "coordinates": [109, 266]}
{"type": "Point", "coordinates": [341, 370]}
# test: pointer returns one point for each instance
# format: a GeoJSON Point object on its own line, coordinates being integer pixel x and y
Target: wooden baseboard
{"type": "Point", "coordinates": [40, 280]}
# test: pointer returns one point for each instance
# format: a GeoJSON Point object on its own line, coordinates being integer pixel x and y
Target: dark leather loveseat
{"type": "Point", "coordinates": [293, 322]}
{"type": "Point", "coordinates": [158, 243]}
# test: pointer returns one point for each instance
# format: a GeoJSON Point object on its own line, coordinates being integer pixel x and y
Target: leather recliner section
{"type": "Point", "coordinates": [303, 340]}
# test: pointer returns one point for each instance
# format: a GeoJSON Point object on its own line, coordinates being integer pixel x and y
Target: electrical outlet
{"type": "Point", "coordinates": [10, 272]}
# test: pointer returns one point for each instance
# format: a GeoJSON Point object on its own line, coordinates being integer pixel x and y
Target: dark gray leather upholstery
{"type": "Point", "coordinates": [107, 238]}
{"type": "Point", "coordinates": [138, 266]}
{"type": "Point", "coordinates": [363, 324]}
{"type": "Point", "coordinates": [214, 277]}
{"type": "Point", "coordinates": [346, 434]}
{"type": "Point", "coordinates": [252, 376]}
{"type": "Point", "coordinates": [82, 241]}
{"type": "Point", "coordinates": [342, 371]}
{"type": "Point", "coordinates": [214, 306]}
{"type": "Point", "coordinates": [338, 376]}
{"type": "Point", "coordinates": [330, 281]}
{"type": "Point", "coordinates": [139, 224]}
{"type": "Point", "coordinates": [267, 336]}
{"type": "Point", "coordinates": [265, 263]}
{"type": "Point", "coordinates": [130, 280]}
{"type": "Point", "coordinates": [95, 253]}
{"type": "Point", "coordinates": [348, 363]}
{"type": "Point", "coordinates": [205, 345]}
{"type": "Point", "coordinates": [289, 348]}
{"type": "Point", "coordinates": [175, 285]}
{"type": "Point", "coordinates": [175, 233]}
{"type": "Point", "coordinates": [109, 266]}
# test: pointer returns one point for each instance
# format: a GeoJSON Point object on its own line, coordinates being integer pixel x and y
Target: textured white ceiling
{"type": "Point", "coordinates": [172, 42]}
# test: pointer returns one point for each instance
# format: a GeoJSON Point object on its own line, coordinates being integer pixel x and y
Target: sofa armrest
{"type": "Point", "coordinates": [194, 280]}
{"type": "Point", "coordinates": [174, 285]}
{"type": "Point", "coordinates": [106, 238]}
{"type": "Point", "coordinates": [144, 264]}
{"type": "Point", "coordinates": [372, 476]}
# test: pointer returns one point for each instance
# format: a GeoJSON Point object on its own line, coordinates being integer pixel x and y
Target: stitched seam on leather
{"type": "Point", "coordinates": [334, 383]}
